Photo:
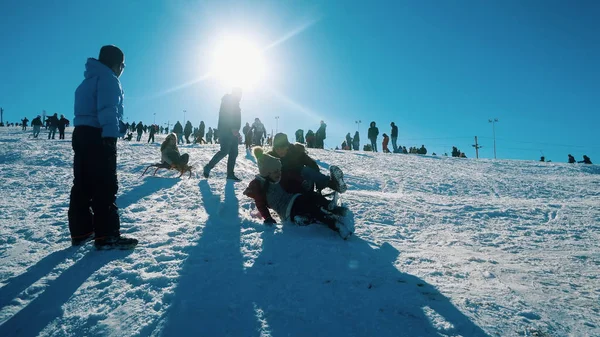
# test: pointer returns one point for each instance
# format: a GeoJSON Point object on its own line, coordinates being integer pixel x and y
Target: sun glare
{"type": "Point", "coordinates": [238, 63]}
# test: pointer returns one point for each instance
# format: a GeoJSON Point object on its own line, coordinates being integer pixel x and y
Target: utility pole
{"type": "Point", "coordinates": [494, 121]}
{"type": "Point", "coordinates": [358, 125]}
{"type": "Point", "coordinates": [276, 124]}
{"type": "Point", "coordinates": [477, 147]}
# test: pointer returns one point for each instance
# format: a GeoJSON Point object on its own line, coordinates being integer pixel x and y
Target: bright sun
{"type": "Point", "coordinates": [238, 63]}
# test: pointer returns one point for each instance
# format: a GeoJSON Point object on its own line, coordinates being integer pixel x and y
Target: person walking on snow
{"type": "Point", "coordinates": [356, 142]}
{"type": "Point", "coordinates": [62, 124]}
{"type": "Point", "coordinates": [321, 135]}
{"type": "Point", "coordinates": [230, 122]}
{"type": "Point", "coordinates": [299, 136]}
{"type": "Point", "coordinates": [259, 133]}
{"type": "Point", "coordinates": [178, 130]}
{"type": "Point", "coordinates": [140, 130]}
{"type": "Point", "coordinates": [153, 129]}
{"type": "Point", "coordinates": [53, 125]}
{"type": "Point", "coordinates": [36, 123]}
{"type": "Point", "coordinates": [394, 136]}
{"type": "Point", "coordinates": [98, 109]}
{"type": "Point", "coordinates": [187, 131]}
{"type": "Point", "coordinates": [348, 141]}
{"type": "Point", "coordinates": [373, 133]}
{"type": "Point", "coordinates": [24, 122]}
{"type": "Point", "coordinates": [301, 208]}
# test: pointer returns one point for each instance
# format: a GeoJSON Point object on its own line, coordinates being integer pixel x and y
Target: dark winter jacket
{"type": "Point", "coordinates": [394, 131]}
{"type": "Point", "coordinates": [321, 133]}
{"type": "Point", "coordinates": [300, 136]}
{"type": "Point", "coordinates": [201, 129]}
{"type": "Point", "coordinates": [310, 139]}
{"type": "Point", "coordinates": [140, 128]}
{"type": "Point", "coordinates": [348, 140]}
{"type": "Point", "coordinates": [373, 132]}
{"type": "Point", "coordinates": [53, 121]}
{"type": "Point", "coordinates": [230, 115]}
{"type": "Point", "coordinates": [37, 121]}
{"type": "Point", "coordinates": [63, 123]}
{"type": "Point", "coordinates": [356, 141]}
{"type": "Point", "coordinates": [586, 160]}
{"type": "Point", "coordinates": [571, 158]}
{"type": "Point", "coordinates": [188, 129]}
{"type": "Point", "coordinates": [25, 121]}
{"type": "Point", "coordinates": [291, 167]}
{"type": "Point", "coordinates": [178, 129]}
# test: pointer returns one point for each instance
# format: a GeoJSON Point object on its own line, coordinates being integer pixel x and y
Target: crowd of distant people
{"type": "Point", "coordinates": [254, 134]}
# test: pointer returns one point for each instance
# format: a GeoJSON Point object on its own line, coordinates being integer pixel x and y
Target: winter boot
{"type": "Point", "coordinates": [115, 242]}
{"type": "Point", "coordinates": [337, 178]}
{"type": "Point", "coordinates": [205, 172]}
{"type": "Point", "coordinates": [82, 239]}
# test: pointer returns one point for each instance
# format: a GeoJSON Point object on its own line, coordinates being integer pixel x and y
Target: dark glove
{"type": "Point", "coordinates": [270, 221]}
{"type": "Point", "coordinates": [110, 143]}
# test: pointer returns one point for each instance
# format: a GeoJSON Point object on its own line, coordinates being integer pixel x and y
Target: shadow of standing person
{"type": "Point", "coordinates": [32, 319]}
{"type": "Point", "coordinates": [211, 289]}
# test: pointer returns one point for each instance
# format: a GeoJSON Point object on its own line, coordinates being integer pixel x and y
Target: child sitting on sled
{"type": "Point", "coordinates": [170, 153]}
{"type": "Point", "coordinates": [300, 208]}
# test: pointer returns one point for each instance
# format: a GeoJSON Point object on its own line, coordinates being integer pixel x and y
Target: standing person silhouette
{"type": "Point", "coordinates": [230, 122]}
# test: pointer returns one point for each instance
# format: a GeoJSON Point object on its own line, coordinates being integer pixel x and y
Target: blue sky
{"type": "Point", "coordinates": [439, 69]}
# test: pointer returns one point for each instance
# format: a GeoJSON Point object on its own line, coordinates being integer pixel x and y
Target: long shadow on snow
{"type": "Point", "coordinates": [32, 319]}
{"type": "Point", "coordinates": [212, 297]}
{"type": "Point", "coordinates": [150, 186]}
{"type": "Point", "coordinates": [318, 285]}
{"type": "Point", "coordinates": [21, 282]}
{"type": "Point", "coordinates": [306, 282]}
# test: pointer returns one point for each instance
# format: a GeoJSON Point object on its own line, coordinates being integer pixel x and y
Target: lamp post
{"type": "Point", "coordinates": [154, 118]}
{"type": "Point", "coordinates": [276, 124]}
{"type": "Point", "coordinates": [357, 125]}
{"type": "Point", "coordinates": [184, 111]}
{"type": "Point", "coordinates": [2, 115]}
{"type": "Point", "coordinates": [494, 121]}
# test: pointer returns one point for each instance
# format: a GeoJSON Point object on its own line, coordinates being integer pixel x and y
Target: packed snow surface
{"type": "Point", "coordinates": [443, 247]}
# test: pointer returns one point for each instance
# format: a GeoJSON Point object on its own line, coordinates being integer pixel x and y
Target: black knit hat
{"type": "Point", "coordinates": [280, 140]}
{"type": "Point", "coordinates": [111, 55]}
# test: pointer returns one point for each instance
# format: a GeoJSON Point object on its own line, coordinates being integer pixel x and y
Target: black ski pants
{"type": "Point", "coordinates": [309, 205]}
{"type": "Point", "coordinates": [94, 185]}
{"type": "Point", "coordinates": [229, 148]}
{"type": "Point", "coordinates": [61, 133]}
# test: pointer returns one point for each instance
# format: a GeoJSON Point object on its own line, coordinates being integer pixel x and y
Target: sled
{"type": "Point", "coordinates": [185, 168]}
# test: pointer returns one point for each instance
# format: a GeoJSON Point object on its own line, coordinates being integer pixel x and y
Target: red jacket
{"type": "Point", "coordinates": [256, 191]}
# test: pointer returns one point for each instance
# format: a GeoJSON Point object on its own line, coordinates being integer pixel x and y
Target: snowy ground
{"type": "Point", "coordinates": [443, 247]}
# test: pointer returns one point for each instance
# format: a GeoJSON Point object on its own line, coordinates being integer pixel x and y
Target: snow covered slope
{"type": "Point", "coordinates": [443, 247]}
